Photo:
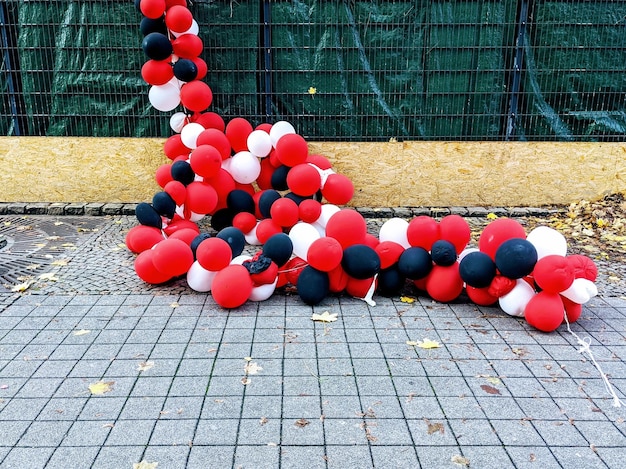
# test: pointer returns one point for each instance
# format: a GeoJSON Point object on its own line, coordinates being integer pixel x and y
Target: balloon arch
{"type": "Point", "coordinates": [262, 187]}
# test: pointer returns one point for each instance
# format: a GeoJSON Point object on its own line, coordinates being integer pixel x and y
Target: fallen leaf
{"type": "Point", "coordinates": [407, 299]}
{"type": "Point", "coordinates": [532, 457]}
{"type": "Point", "coordinates": [68, 245]}
{"type": "Point", "coordinates": [460, 460]}
{"type": "Point", "coordinates": [145, 465]}
{"type": "Point", "coordinates": [248, 359]}
{"type": "Point", "coordinates": [427, 344]}
{"type": "Point", "coordinates": [33, 266]}
{"type": "Point", "coordinates": [312, 90]}
{"type": "Point", "coordinates": [252, 368]}
{"type": "Point", "coordinates": [302, 423]}
{"type": "Point", "coordinates": [81, 332]}
{"type": "Point", "coordinates": [435, 427]}
{"type": "Point", "coordinates": [49, 276]}
{"type": "Point", "coordinates": [489, 389]}
{"type": "Point", "coordinates": [245, 381]}
{"type": "Point", "coordinates": [145, 366]}
{"type": "Point", "coordinates": [412, 343]}
{"type": "Point", "coordinates": [263, 420]}
{"type": "Point", "coordinates": [57, 223]}
{"type": "Point", "coordinates": [494, 380]}
{"type": "Point", "coordinates": [21, 287]}
{"type": "Point", "coordinates": [4, 386]}
{"type": "Point", "coordinates": [174, 305]}
{"type": "Point", "coordinates": [491, 216]}
{"type": "Point", "coordinates": [101, 387]}
{"type": "Point", "coordinates": [324, 317]}
{"type": "Point", "coordinates": [60, 262]}
{"type": "Point", "coordinates": [108, 425]}
{"type": "Point", "coordinates": [53, 238]}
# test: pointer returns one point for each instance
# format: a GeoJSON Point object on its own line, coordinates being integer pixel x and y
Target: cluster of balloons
{"type": "Point", "coordinates": [261, 187]}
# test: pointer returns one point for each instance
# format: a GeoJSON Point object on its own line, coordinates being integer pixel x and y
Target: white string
{"type": "Point", "coordinates": [370, 293]}
{"type": "Point", "coordinates": [585, 346]}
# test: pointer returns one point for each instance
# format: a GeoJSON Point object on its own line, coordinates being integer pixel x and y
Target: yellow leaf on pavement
{"type": "Point", "coordinates": [252, 368]}
{"type": "Point", "coordinates": [81, 332]}
{"type": "Point", "coordinates": [60, 262]}
{"type": "Point", "coordinates": [49, 276]}
{"type": "Point", "coordinates": [145, 465]}
{"type": "Point", "coordinates": [324, 317]}
{"type": "Point", "coordinates": [407, 299]}
{"type": "Point", "coordinates": [427, 343]}
{"type": "Point", "coordinates": [101, 387]}
{"type": "Point", "coordinates": [21, 287]}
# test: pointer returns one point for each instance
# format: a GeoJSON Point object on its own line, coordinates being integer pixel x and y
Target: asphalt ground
{"type": "Point", "coordinates": [179, 381]}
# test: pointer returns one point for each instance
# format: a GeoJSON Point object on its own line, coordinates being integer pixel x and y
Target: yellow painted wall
{"type": "Point", "coordinates": [73, 169]}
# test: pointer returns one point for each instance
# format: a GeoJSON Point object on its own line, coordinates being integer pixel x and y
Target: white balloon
{"type": "Point", "coordinates": [320, 229]}
{"type": "Point", "coordinates": [395, 230]}
{"type": "Point", "coordinates": [251, 237]}
{"type": "Point", "coordinates": [200, 279]}
{"type": "Point", "coordinates": [514, 302]}
{"type": "Point", "coordinates": [196, 216]}
{"type": "Point", "coordinates": [547, 241]}
{"type": "Point", "coordinates": [226, 164]}
{"type": "Point", "coordinates": [259, 143]}
{"type": "Point", "coordinates": [581, 291]}
{"type": "Point", "coordinates": [302, 236]}
{"type": "Point", "coordinates": [328, 210]}
{"type": "Point", "coordinates": [465, 252]}
{"type": "Point", "coordinates": [263, 292]}
{"type": "Point", "coordinates": [178, 121]}
{"type": "Point", "coordinates": [279, 129]}
{"type": "Point", "coordinates": [193, 29]}
{"type": "Point", "coordinates": [245, 167]}
{"type": "Point", "coordinates": [189, 134]}
{"type": "Point", "coordinates": [164, 97]}
{"type": "Point", "coordinates": [240, 259]}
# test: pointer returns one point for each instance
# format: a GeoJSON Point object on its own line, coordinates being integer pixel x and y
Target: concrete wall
{"type": "Point", "coordinates": [72, 169]}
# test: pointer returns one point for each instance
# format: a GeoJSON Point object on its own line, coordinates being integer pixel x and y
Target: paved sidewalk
{"type": "Point", "coordinates": [193, 385]}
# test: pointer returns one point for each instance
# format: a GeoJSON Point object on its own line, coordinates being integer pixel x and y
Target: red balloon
{"type": "Point", "coordinates": [292, 269]}
{"type": "Point", "coordinates": [500, 286]}
{"type": "Point", "coordinates": [264, 180]}
{"type": "Point", "coordinates": [237, 131]}
{"type": "Point", "coordinates": [180, 224]}
{"type": "Point", "coordinates": [152, 9]}
{"type": "Point", "coordinates": [170, 3]}
{"type": "Point", "coordinates": [389, 253]}
{"type": "Point", "coordinates": [338, 189]}
{"type": "Point", "coordinates": [553, 273]}
{"type": "Point", "coordinates": [265, 277]}
{"type": "Point", "coordinates": [572, 310]}
{"type": "Point", "coordinates": [178, 19]}
{"type": "Point", "coordinates": [583, 267]}
{"type": "Point", "coordinates": [187, 46]}
{"type": "Point", "coordinates": [371, 241]}
{"type": "Point", "coordinates": [163, 174]}
{"type": "Point", "coordinates": [422, 232]}
{"type": "Point", "coordinates": [420, 283]}
{"type": "Point", "coordinates": [285, 212]}
{"type": "Point", "coordinates": [348, 227]}
{"type": "Point", "coordinates": [210, 120]}
{"type": "Point", "coordinates": [245, 221]}
{"type": "Point", "coordinates": [177, 191]}
{"type": "Point", "coordinates": [265, 127]}
{"type": "Point", "coordinates": [202, 71]}
{"type": "Point", "coordinates": [172, 257]}
{"type": "Point", "coordinates": [320, 161]}
{"type": "Point", "coordinates": [292, 149]}
{"type": "Point", "coordinates": [214, 254]}
{"type": "Point", "coordinates": [273, 158]}
{"type": "Point", "coordinates": [157, 72]}
{"type": "Point", "coordinates": [146, 271]}
{"type": "Point", "coordinates": [201, 198]}
{"type": "Point", "coordinates": [325, 254]}
{"type": "Point", "coordinates": [304, 180]}
{"type": "Point", "coordinates": [206, 161]}
{"type": "Point", "coordinates": [455, 229]}
{"type": "Point", "coordinates": [223, 183]}
{"type": "Point", "coordinates": [186, 234]}
{"type": "Point", "coordinates": [480, 296]}
{"type": "Point", "coordinates": [174, 147]}
{"type": "Point", "coordinates": [444, 284]}
{"type": "Point", "coordinates": [266, 229]}
{"type": "Point", "coordinates": [545, 311]}
{"type": "Point", "coordinates": [196, 95]}
{"type": "Point", "coordinates": [217, 139]}
{"type": "Point", "coordinates": [232, 286]}
{"type": "Point", "coordinates": [309, 210]}
{"type": "Point", "coordinates": [338, 279]}
{"type": "Point", "coordinates": [497, 232]}
{"type": "Point", "coordinates": [359, 288]}
{"type": "Point", "coordinates": [142, 237]}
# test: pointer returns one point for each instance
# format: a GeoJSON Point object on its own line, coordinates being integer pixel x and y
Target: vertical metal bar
{"type": "Point", "coordinates": [518, 62]}
{"type": "Point", "coordinates": [266, 58]}
{"type": "Point", "coordinates": [4, 38]}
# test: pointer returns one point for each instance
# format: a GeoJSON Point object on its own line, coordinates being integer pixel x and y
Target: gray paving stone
{"type": "Point", "coordinates": [559, 433]}
{"type": "Point", "coordinates": [394, 456]}
{"type": "Point", "coordinates": [102, 408]}
{"type": "Point", "coordinates": [580, 457]}
{"type": "Point", "coordinates": [92, 433]}
{"type": "Point", "coordinates": [345, 431]}
{"type": "Point", "coordinates": [42, 434]}
{"type": "Point", "coordinates": [342, 456]}
{"type": "Point", "coordinates": [74, 457]}
{"type": "Point", "coordinates": [438, 456]}
{"type": "Point", "coordinates": [486, 456]}
{"type": "Point", "coordinates": [22, 409]}
{"type": "Point", "coordinates": [295, 456]}
{"type": "Point", "coordinates": [12, 431]}
{"type": "Point", "coordinates": [221, 407]}
{"type": "Point", "coordinates": [33, 458]}
{"type": "Point", "coordinates": [173, 432]}
{"type": "Point", "coordinates": [273, 407]}
{"type": "Point", "coordinates": [216, 432]}
{"type": "Point", "coordinates": [118, 456]}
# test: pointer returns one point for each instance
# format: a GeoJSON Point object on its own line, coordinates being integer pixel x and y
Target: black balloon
{"type": "Point", "coordinates": [313, 285]}
{"type": "Point", "coordinates": [147, 215]}
{"type": "Point", "coordinates": [164, 204]}
{"type": "Point", "coordinates": [390, 281]}
{"type": "Point", "coordinates": [296, 198]}
{"type": "Point", "coordinates": [235, 239]}
{"type": "Point", "coordinates": [182, 172]}
{"type": "Point", "coordinates": [185, 70]}
{"type": "Point", "coordinates": [221, 219]}
{"type": "Point", "coordinates": [149, 25]}
{"type": "Point", "coordinates": [516, 258]}
{"type": "Point", "coordinates": [443, 253]}
{"type": "Point", "coordinates": [477, 269]}
{"type": "Point", "coordinates": [279, 248]}
{"type": "Point", "coordinates": [268, 197]}
{"type": "Point", "coordinates": [240, 201]}
{"type": "Point", "coordinates": [415, 263]}
{"type": "Point", "coordinates": [157, 46]}
{"type": "Point", "coordinates": [279, 178]}
{"type": "Point", "coordinates": [360, 261]}
{"type": "Point", "coordinates": [196, 242]}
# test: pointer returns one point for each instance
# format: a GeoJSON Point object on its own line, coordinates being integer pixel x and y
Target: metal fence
{"type": "Point", "coordinates": [338, 70]}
